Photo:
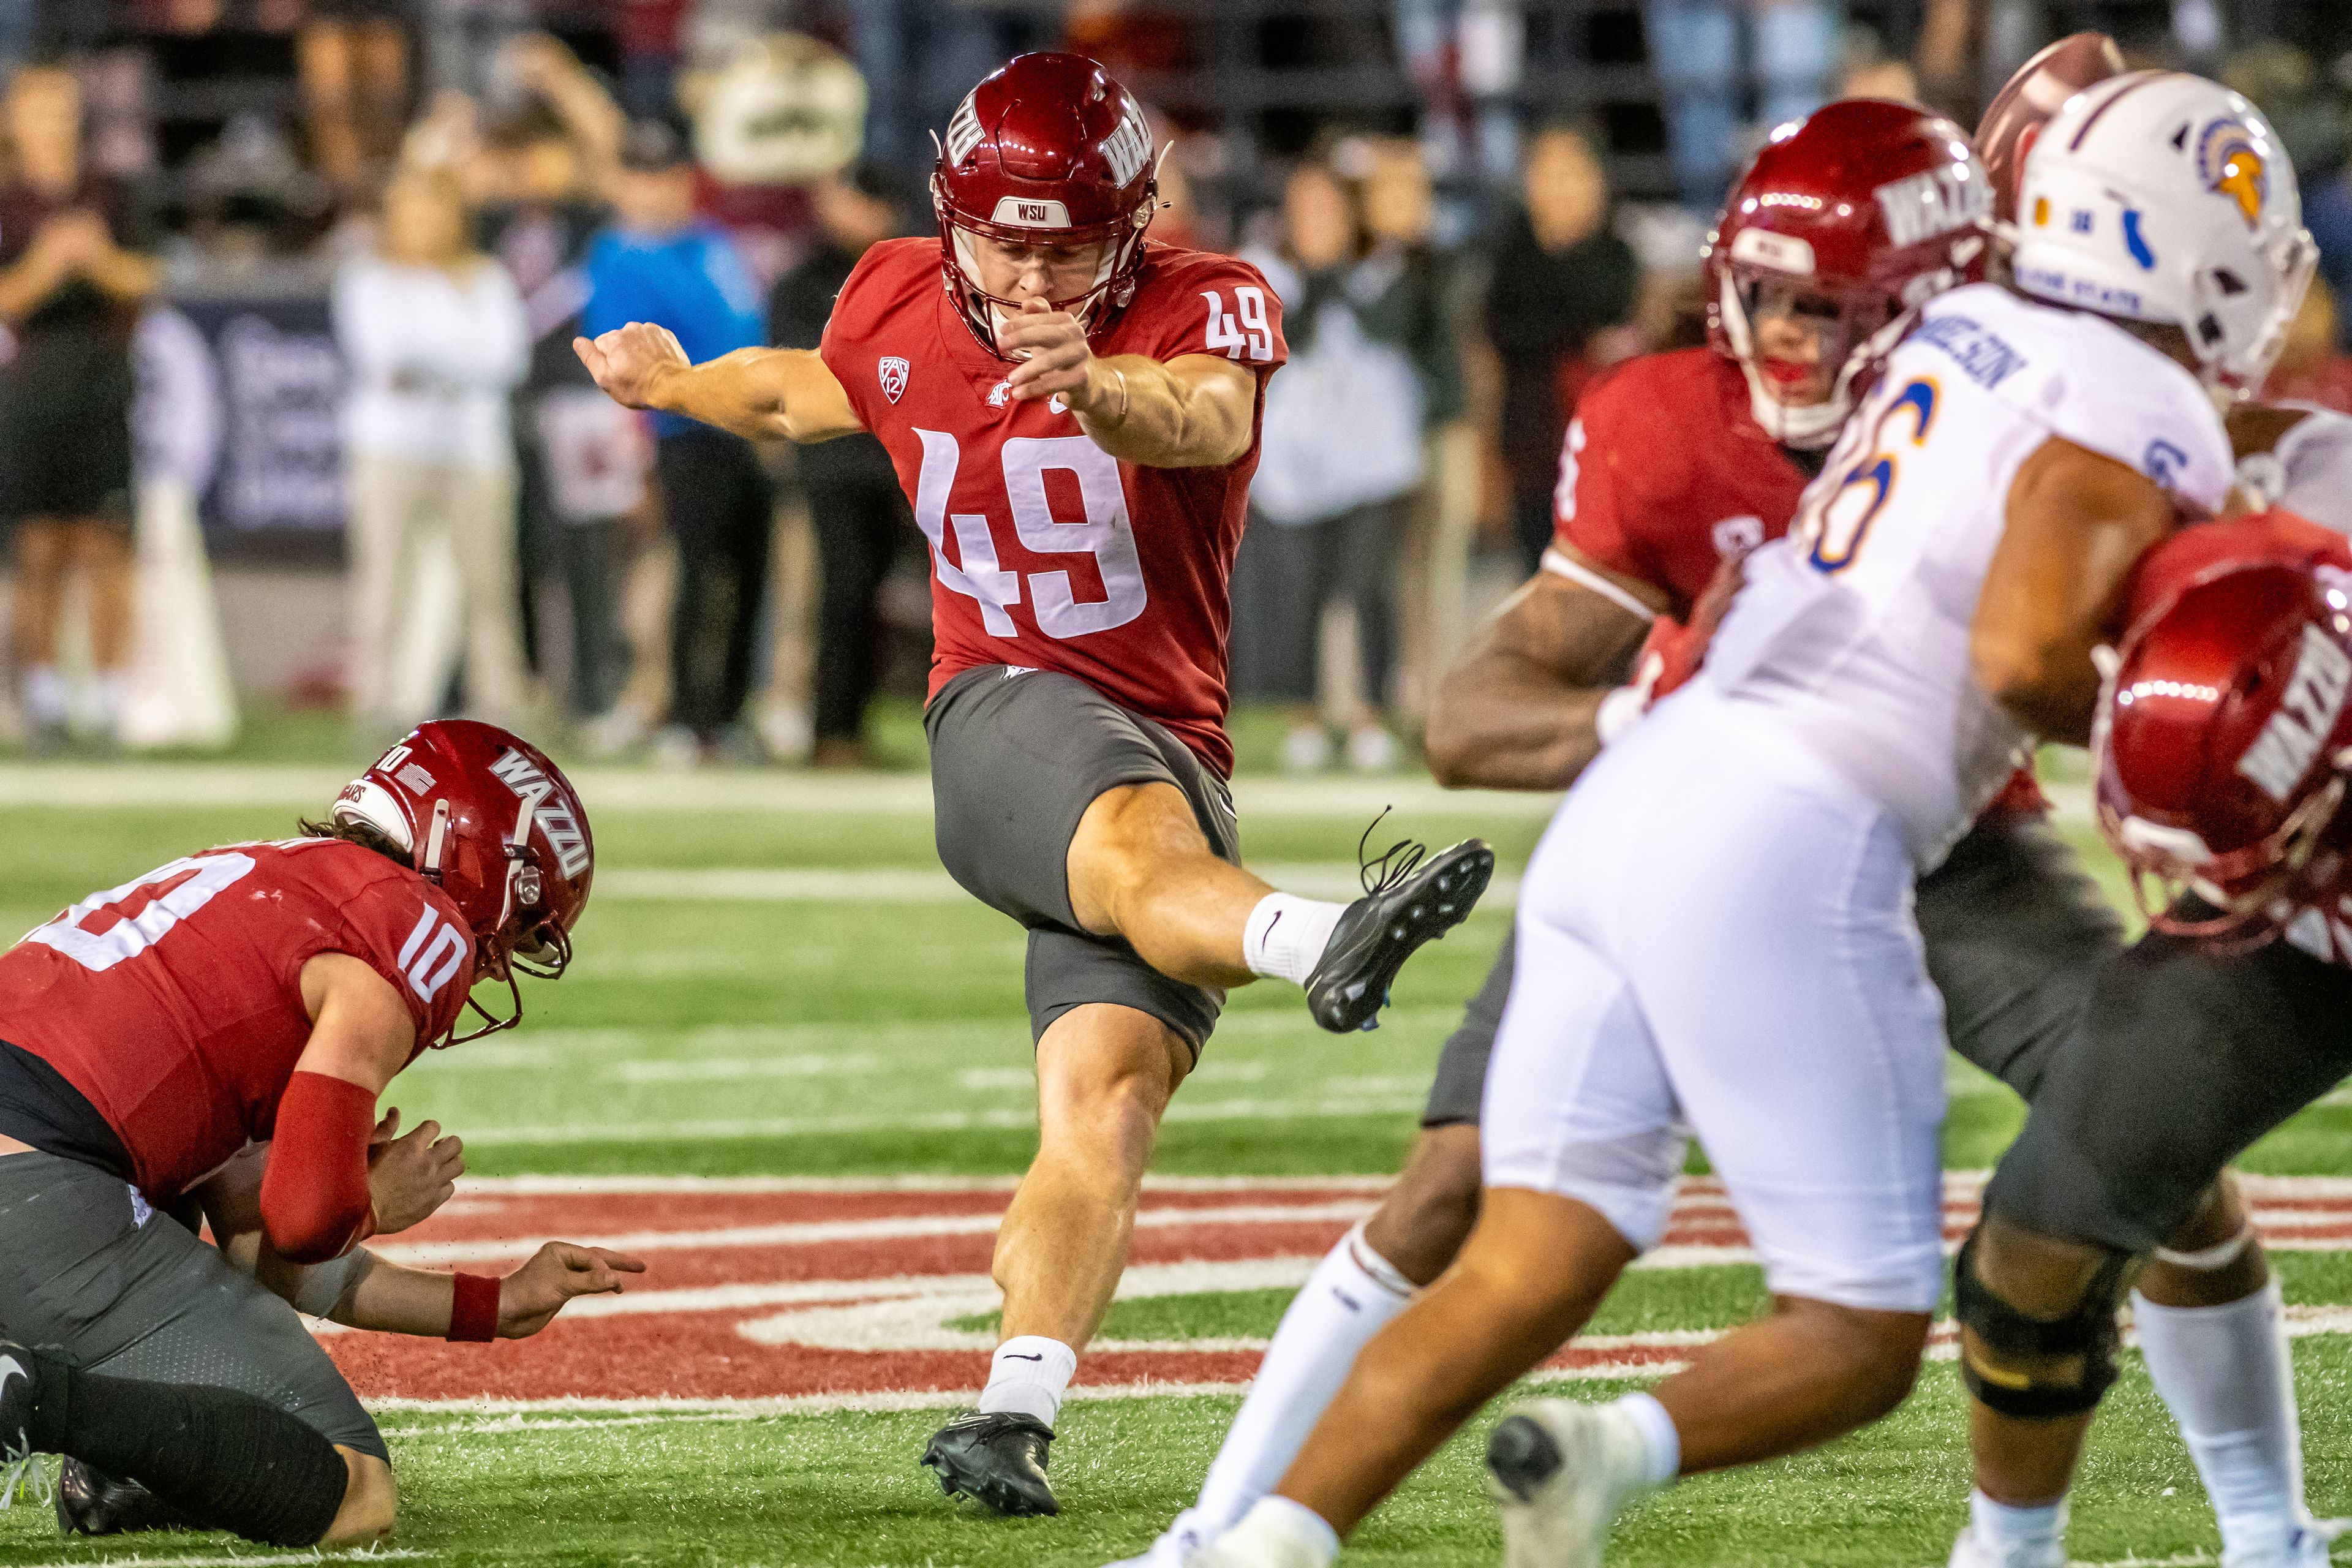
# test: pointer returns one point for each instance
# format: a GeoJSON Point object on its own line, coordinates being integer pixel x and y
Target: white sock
{"type": "Point", "coordinates": [1028, 1375]}
{"type": "Point", "coordinates": [2004, 1530]}
{"type": "Point", "coordinates": [1287, 935]}
{"type": "Point", "coordinates": [1280, 1534]}
{"type": "Point", "coordinates": [2226, 1375]}
{"type": "Point", "coordinates": [46, 700]}
{"type": "Point", "coordinates": [1661, 1446]}
{"type": "Point", "coordinates": [1352, 1295]}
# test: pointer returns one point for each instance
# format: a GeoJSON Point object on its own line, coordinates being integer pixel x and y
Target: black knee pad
{"type": "Point", "coordinates": [2087, 1337]}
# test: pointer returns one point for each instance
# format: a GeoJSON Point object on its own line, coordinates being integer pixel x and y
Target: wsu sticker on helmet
{"type": "Point", "coordinates": [543, 805]}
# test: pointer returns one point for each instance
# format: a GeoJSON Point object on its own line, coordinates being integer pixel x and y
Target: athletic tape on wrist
{"type": "Point", "coordinates": [474, 1310]}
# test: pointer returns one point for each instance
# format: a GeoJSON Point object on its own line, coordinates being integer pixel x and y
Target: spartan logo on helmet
{"type": "Point", "coordinates": [2232, 166]}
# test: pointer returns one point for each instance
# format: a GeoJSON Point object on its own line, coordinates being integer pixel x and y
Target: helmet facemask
{"type": "Point", "coordinates": [1852, 327]}
{"type": "Point", "coordinates": [1107, 293]}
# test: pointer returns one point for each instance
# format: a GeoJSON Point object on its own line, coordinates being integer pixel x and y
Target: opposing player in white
{"type": "Point", "coordinates": [1716, 931]}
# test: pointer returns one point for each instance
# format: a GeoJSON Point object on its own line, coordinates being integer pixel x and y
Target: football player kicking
{"type": "Point", "coordinates": [1809, 273]}
{"type": "Point", "coordinates": [152, 1035]}
{"type": "Point", "coordinates": [1074, 417]}
{"type": "Point", "coordinates": [1715, 930]}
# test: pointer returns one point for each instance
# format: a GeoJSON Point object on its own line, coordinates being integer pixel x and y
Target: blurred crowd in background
{"type": "Point", "coordinates": [289, 288]}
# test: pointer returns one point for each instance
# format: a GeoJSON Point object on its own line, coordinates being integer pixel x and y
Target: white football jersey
{"type": "Point", "coordinates": [2309, 472]}
{"type": "Point", "coordinates": [1855, 626]}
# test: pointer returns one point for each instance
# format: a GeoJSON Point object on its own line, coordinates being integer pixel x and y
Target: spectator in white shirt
{"type": "Point", "coordinates": [434, 334]}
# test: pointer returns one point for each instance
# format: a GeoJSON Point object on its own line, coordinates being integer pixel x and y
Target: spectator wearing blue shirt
{"type": "Point", "coordinates": [657, 262]}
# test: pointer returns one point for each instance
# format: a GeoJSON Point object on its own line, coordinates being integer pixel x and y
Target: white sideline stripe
{"type": "Point", "coordinates": [1008, 1117]}
{"type": "Point", "coordinates": [516, 1415]}
{"type": "Point", "coordinates": [815, 1233]}
{"type": "Point", "coordinates": [907, 885]}
{"type": "Point", "coordinates": [768, 789]}
{"type": "Point", "coordinates": [570, 1186]}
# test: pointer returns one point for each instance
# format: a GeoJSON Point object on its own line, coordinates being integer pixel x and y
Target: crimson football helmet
{"type": "Point", "coordinates": [2030, 100]}
{"type": "Point", "coordinates": [2224, 740]}
{"type": "Point", "coordinates": [484, 813]}
{"type": "Point", "coordinates": [1048, 151]}
{"type": "Point", "coordinates": [1871, 207]}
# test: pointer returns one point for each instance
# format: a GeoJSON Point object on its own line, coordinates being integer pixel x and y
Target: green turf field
{"type": "Point", "coordinates": [774, 979]}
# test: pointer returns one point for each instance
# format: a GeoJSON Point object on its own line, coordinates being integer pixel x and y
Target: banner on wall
{"type": "Point", "coordinates": [240, 403]}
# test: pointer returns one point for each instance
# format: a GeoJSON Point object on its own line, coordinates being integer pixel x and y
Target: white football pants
{"type": "Point", "coordinates": [1714, 937]}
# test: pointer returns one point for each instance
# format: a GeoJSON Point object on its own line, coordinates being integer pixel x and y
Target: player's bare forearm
{"type": "Point", "coordinates": [759, 394]}
{"type": "Point", "coordinates": [1191, 413]}
{"type": "Point", "coordinates": [763, 393]}
{"type": "Point", "coordinates": [2077, 525]}
{"type": "Point", "coordinates": [1517, 710]}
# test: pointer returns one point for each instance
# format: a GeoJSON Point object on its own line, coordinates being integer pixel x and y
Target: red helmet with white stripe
{"type": "Point", "coordinates": [483, 813]}
{"type": "Point", "coordinates": [1048, 151]}
{"type": "Point", "coordinates": [2224, 740]}
{"type": "Point", "coordinates": [1866, 208]}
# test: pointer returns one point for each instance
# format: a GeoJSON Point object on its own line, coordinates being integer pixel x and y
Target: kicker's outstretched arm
{"type": "Point", "coordinates": [760, 394]}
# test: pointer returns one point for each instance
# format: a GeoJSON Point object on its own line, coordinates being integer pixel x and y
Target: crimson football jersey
{"type": "Point", "coordinates": [173, 1004]}
{"type": "Point", "coordinates": [1665, 471]}
{"type": "Point", "coordinates": [1048, 552]}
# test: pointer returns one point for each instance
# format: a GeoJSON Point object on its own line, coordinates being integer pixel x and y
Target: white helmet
{"type": "Point", "coordinates": [2164, 197]}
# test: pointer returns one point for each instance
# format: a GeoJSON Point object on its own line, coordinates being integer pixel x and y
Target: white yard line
{"type": "Point", "coordinates": [574, 1186]}
{"type": "Point", "coordinates": [766, 790]}
{"type": "Point", "coordinates": [907, 885]}
{"type": "Point", "coordinates": [1007, 1118]}
{"type": "Point", "coordinates": [820, 1233]}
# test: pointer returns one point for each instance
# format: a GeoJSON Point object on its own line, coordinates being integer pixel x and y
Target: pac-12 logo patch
{"type": "Point", "coordinates": [2232, 165]}
{"type": "Point", "coordinates": [893, 372]}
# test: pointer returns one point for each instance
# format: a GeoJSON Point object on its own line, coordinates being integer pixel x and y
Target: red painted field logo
{"type": "Point", "coordinates": [825, 1294]}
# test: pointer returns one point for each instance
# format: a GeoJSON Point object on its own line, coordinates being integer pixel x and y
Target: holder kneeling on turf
{"type": "Point", "coordinates": [212, 1038]}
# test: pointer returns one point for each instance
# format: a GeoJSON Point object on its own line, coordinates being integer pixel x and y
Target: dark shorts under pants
{"type": "Point", "coordinates": [116, 1287]}
{"type": "Point", "coordinates": [1017, 758]}
{"type": "Point", "coordinates": [2182, 1058]}
{"type": "Point", "coordinates": [2015, 933]}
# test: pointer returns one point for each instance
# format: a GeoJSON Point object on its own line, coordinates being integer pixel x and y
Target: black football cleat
{"type": "Point", "coordinates": [996, 1459]}
{"type": "Point", "coordinates": [91, 1502]}
{"type": "Point", "coordinates": [1411, 896]}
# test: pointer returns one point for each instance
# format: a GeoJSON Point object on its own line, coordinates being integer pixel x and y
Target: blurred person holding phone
{"type": "Point", "coordinates": [71, 290]}
{"type": "Point", "coordinates": [856, 509]}
{"type": "Point", "coordinates": [660, 262]}
{"type": "Point", "coordinates": [434, 333]}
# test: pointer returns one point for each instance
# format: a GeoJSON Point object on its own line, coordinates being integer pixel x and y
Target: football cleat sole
{"type": "Point", "coordinates": [1550, 1468]}
{"type": "Point", "coordinates": [996, 1459]}
{"type": "Point", "coordinates": [91, 1502]}
{"type": "Point", "coordinates": [1380, 931]}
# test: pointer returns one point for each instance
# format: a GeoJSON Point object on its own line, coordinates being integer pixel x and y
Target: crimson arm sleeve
{"type": "Point", "coordinates": [314, 1197]}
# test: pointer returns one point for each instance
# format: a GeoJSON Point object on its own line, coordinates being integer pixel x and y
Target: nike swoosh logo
{"type": "Point", "coordinates": [1274, 922]}
{"type": "Point", "coordinates": [1016, 1355]}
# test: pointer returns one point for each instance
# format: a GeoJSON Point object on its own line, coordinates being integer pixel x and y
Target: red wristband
{"type": "Point", "coordinates": [474, 1310]}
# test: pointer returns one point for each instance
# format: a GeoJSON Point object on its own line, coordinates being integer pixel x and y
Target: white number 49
{"type": "Point", "coordinates": [1245, 327]}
